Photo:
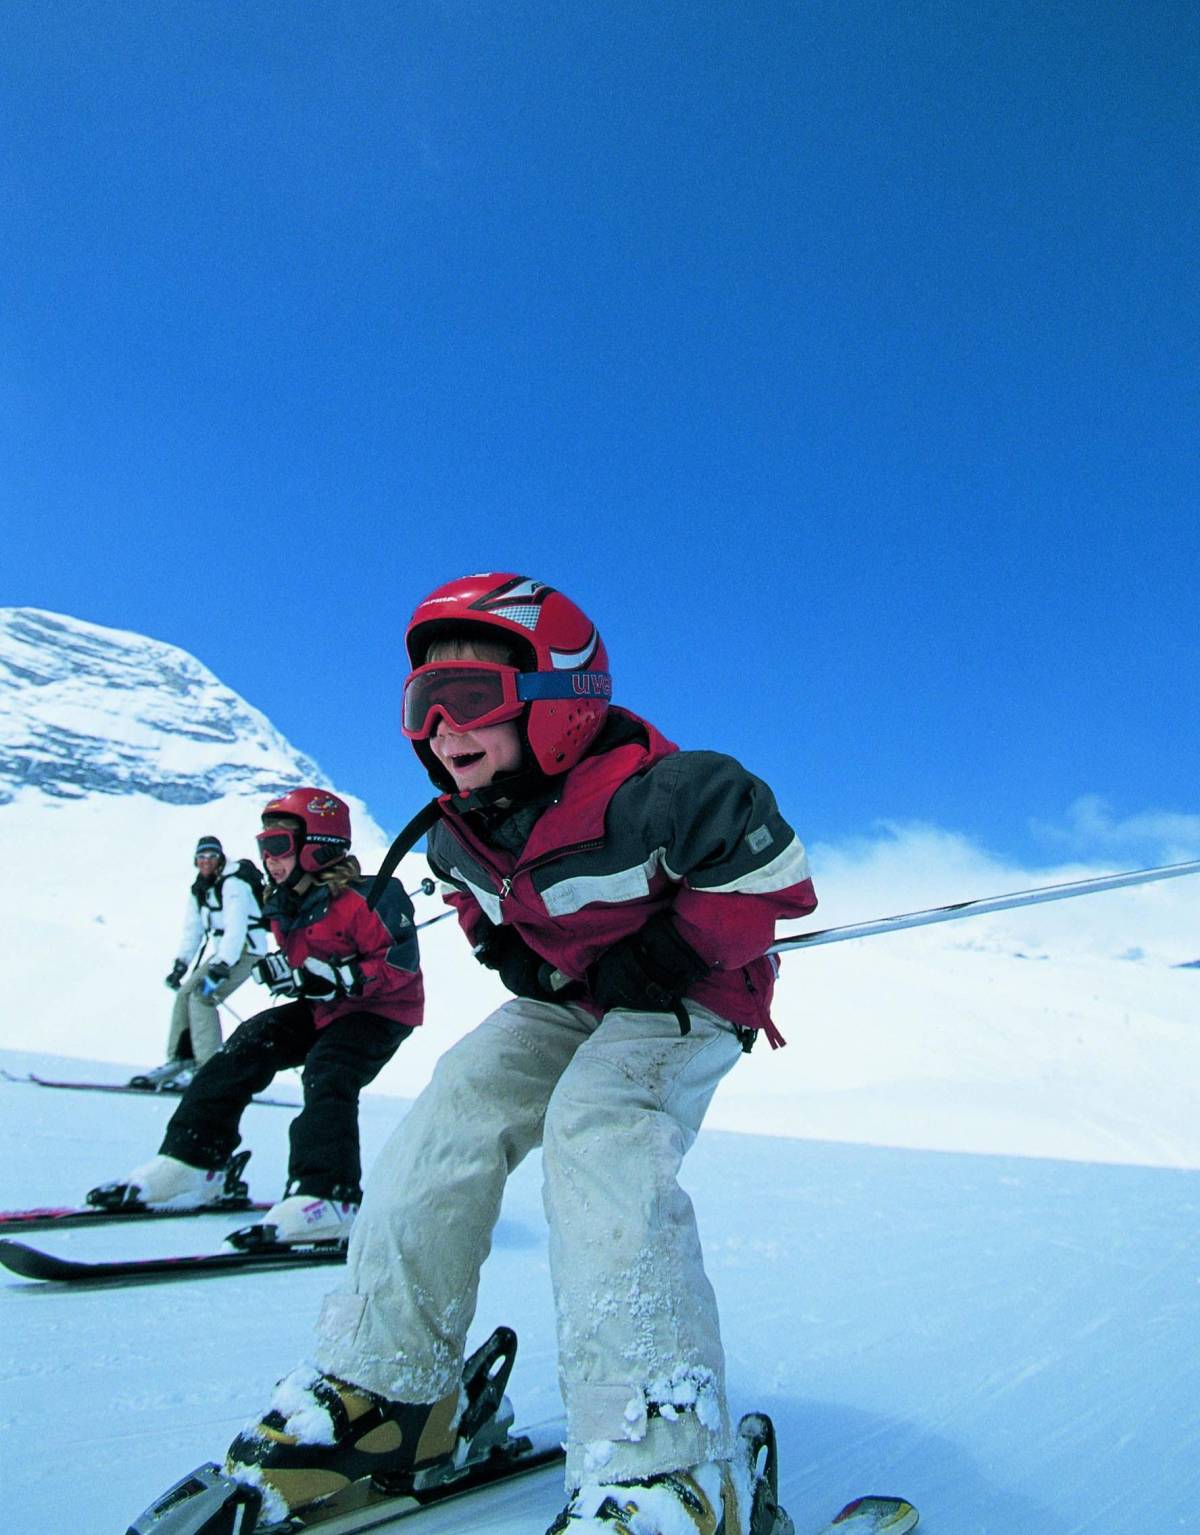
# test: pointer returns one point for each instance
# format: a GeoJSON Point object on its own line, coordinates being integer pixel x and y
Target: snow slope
{"type": "Point", "coordinates": [1063, 1031]}
{"type": "Point", "coordinates": [1011, 1342]}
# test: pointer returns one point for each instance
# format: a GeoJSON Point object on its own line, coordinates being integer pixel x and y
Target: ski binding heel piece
{"type": "Point", "coordinates": [485, 1428]}
{"type": "Point", "coordinates": [760, 1455]}
{"type": "Point", "coordinates": [236, 1190]}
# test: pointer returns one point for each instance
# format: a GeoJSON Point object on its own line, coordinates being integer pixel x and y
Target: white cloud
{"type": "Point", "coordinates": [1091, 826]}
{"type": "Point", "coordinates": [909, 867]}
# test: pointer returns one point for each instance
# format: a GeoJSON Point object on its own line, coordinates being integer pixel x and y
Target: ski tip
{"type": "Point", "coordinates": [876, 1515]}
{"type": "Point", "coordinates": [20, 1259]}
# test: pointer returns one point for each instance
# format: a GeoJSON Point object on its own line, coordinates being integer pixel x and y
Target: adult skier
{"type": "Point", "coordinates": [223, 908]}
{"type": "Point", "coordinates": [626, 892]}
{"type": "Point", "coordinates": [352, 973]}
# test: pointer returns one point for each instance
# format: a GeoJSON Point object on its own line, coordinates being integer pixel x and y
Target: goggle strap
{"type": "Point", "coordinates": [535, 685]}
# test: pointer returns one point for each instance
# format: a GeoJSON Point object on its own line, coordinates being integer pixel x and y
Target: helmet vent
{"type": "Point", "coordinates": [526, 616]}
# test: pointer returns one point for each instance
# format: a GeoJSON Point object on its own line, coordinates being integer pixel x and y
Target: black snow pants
{"type": "Point", "coordinates": [338, 1061]}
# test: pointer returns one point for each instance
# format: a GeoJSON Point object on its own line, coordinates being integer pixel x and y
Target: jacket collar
{"type": "Point", "coordinates": [286, 906]}
{"type": "Point", "coordinates": [578, 811]}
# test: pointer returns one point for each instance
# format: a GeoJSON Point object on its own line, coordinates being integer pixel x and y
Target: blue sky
{"type": "Point", "coordinates": [841, 360]}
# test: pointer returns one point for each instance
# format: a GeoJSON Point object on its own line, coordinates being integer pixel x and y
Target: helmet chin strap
{"type": "Point", "coordinates": [515, 786]}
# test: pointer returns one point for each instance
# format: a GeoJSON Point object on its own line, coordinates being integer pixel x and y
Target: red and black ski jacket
{"type": "Point", "coordinates": [383, 941]}
{"type": "Point", "coordinates": [639, 827]}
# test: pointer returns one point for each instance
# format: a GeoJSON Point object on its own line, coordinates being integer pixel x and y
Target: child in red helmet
{"type": "Point", "coordinates": [351, 971]}
{"type": "Point", "coordinates": [627, 893]}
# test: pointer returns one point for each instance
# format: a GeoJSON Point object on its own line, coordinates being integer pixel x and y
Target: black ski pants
{"type": "Point", "coordinates": [338, 1061]}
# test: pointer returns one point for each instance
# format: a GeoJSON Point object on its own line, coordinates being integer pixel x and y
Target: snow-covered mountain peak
{"type": "Point", "coordinates": [90, 710]}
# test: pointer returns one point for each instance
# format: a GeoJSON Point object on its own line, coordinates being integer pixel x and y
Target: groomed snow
{"type": "Point", "coordinates": [1009, 1341]}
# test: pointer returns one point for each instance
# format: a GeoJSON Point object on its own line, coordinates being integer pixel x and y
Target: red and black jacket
{"type": "Point", "coordinates": [383, 941]}
{"type": "Point", "coordinates": [639, 827]}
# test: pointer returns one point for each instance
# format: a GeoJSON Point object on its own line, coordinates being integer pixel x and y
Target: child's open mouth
{"type": "Point", "coordinates": [463, 760]}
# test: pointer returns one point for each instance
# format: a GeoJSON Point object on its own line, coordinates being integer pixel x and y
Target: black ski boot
{"type": "Point", "coordinates": [394, 1446]}
{"type": "Point", "coordinates": [170, 1077]}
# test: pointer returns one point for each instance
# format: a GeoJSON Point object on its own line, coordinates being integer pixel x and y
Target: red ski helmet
{"type": "Point", "coordinates": [324, 820]}
{"type": "Point", "coordinates": [548, 634]}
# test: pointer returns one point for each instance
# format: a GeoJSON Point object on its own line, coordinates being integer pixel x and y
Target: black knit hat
{"type": "Point", "coordinates": [209, 847]}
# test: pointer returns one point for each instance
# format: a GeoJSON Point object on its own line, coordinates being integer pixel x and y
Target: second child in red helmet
{"type": "Point", "coordinates": [350, 970]}
{"type": "Point", "coordinates": [627, 894]}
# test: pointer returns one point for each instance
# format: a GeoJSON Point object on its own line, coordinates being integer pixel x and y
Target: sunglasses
{"type": "Point", "coordinates": [473, 694]}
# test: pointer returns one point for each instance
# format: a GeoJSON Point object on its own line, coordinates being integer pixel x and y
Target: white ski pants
{"type": "Point", "coordinates": [615, 1105]}
{"type": "Point", "coordinates": [197, 1015]}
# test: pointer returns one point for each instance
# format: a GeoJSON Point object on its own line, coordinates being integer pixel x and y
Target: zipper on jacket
{"type": "Point", "coordinates": [506, 880]}
{"type": "Point", "coordinates": [557, 852]}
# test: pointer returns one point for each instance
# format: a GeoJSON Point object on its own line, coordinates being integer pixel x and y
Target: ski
{"type": "Point", "coordinates": [128, 1089]}
{"type": "Point", "coordinates": [55, 1218]}
{"type": "Point", "coordinates": [873, 1516]}
{"type": "Point", "coordinates": [211, 1502]}
{"type": "Point", "coordinates": [33, 1263]}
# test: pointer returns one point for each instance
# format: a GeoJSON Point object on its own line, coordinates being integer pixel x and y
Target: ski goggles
{"type": "Point", "coordinates": [472, 694]}
{"type": "Point", "coordinates": [279, 841]}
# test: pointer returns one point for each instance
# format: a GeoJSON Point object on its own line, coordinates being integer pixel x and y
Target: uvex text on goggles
{"type": "Point", "coordinates": [473, 694]}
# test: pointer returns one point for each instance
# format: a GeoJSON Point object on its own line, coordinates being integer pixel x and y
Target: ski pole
{"type": "Point", "coordinates": [984, 905]}
{"type": "Point", "coordinates": [426, 887]}
{"type": "Point", "coordinates": [194, 967]}
{"type": "Point", "coordinates": [429, 921]}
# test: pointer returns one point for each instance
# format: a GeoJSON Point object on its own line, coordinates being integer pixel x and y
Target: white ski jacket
{"type": "Point", "coordinates": [227, 911]}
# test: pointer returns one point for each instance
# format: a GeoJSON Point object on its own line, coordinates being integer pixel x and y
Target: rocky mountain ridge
{"type": "Point", "coordinates": [90, 710]}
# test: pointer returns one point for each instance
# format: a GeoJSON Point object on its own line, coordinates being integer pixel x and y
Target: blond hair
{"type": "Point", "coordinates": [341, 875]}
{"type": "Point", "coordinates": [465, 647]}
